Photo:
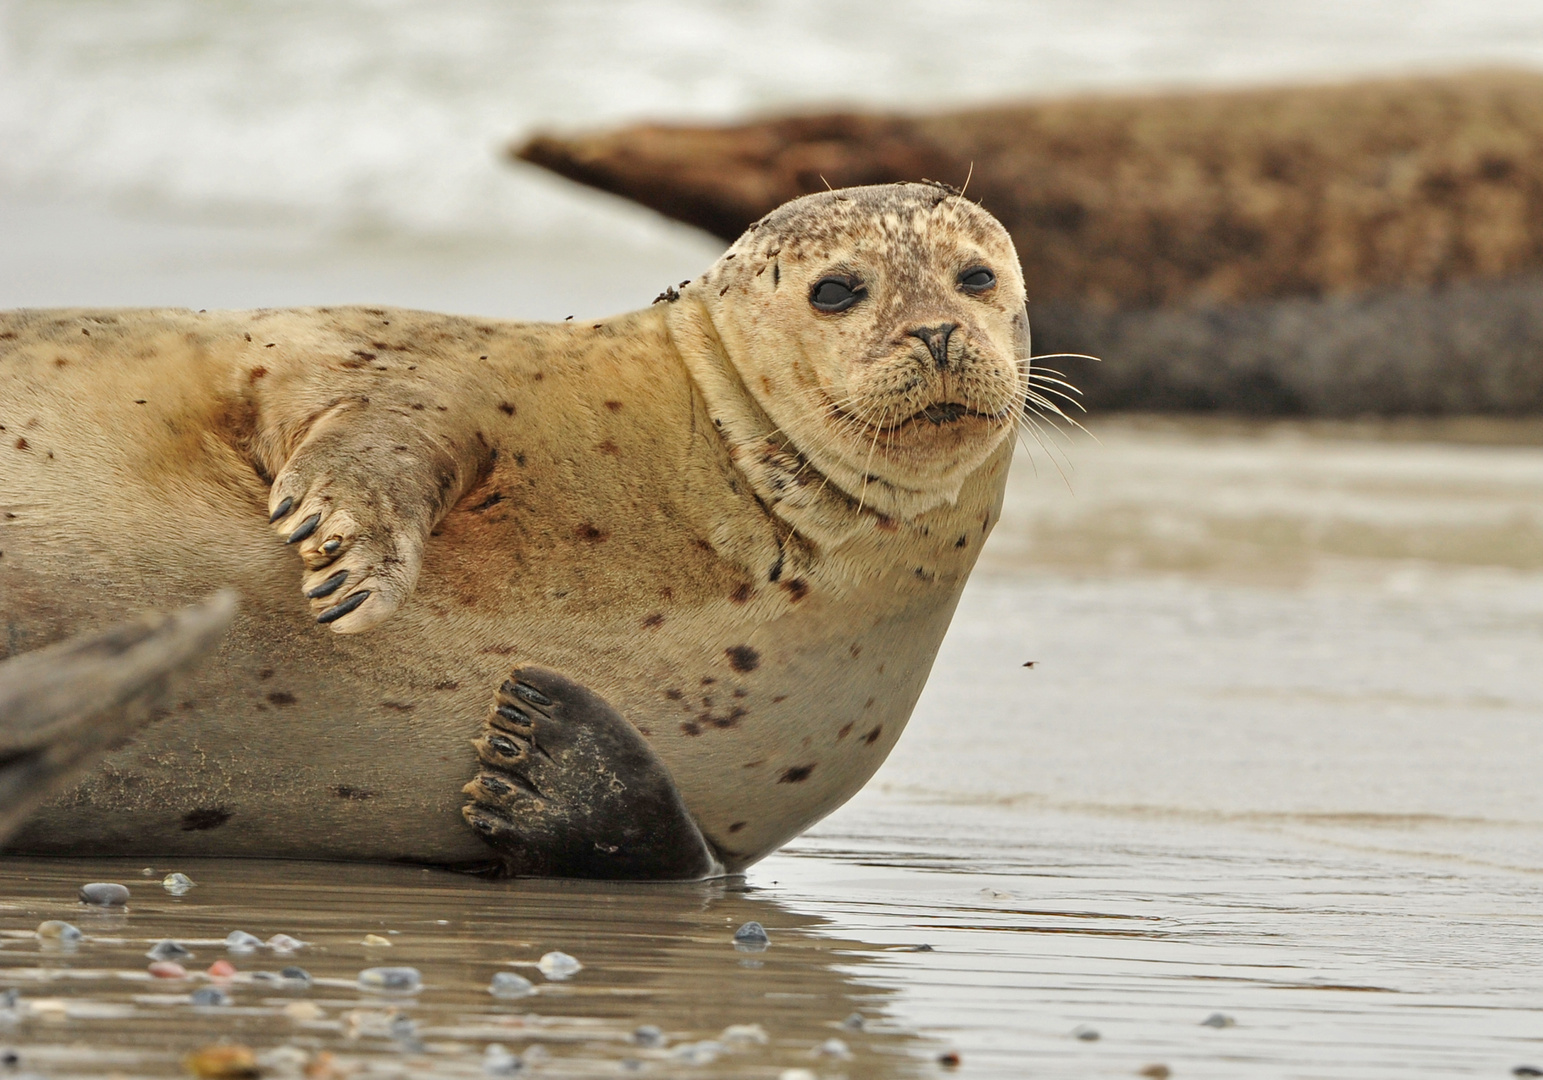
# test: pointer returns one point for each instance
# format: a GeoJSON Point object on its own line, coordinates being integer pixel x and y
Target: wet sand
{"type": "Point", "coordinates": [1275, 760]}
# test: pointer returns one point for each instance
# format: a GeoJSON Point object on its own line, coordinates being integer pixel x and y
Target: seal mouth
{"type": "Point", "coordinates": [938, 414]}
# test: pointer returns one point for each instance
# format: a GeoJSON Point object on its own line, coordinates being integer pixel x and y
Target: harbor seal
{"type": "Point", "coordinates": [637, 597]}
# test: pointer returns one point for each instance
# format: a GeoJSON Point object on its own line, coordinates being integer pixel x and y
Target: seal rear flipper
{"type": "Point", "coordinates": [568, 788]}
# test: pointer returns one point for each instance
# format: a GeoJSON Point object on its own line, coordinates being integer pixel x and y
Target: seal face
{"type": "Point", "coordinates": [886, 335]}
{"type": "Point", "coordinates": [722, 537]}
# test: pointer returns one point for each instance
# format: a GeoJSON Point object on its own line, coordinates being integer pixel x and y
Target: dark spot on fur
{"type": "Point", "coordinates": [738, 825]}
{"type": "Point", "coordinates": [255, 374]}
{"type": "Point", "coordinates": [741, 693]}
{"type": "Point", "coordinates": [742, 594]}
{"type": "Point", "coordinates": [488, 503]}
{"type": "Point", "coordinates": [856, 650]}
{"type": "Point", "coordinates": [447, 685]}
{"type": "Point", "coordinates": [21, 444]}
{"type": "Point", "coordinates": [797, 589]}
{"type": "Point", "coordinates": [506, 408]}
{"type": "Point", "coordinates": [265, 673]}
{"type": "Point", "coordinates": [270, 345]}
{"type": "Point", "coordinates": [796, 775]}
{"type": "Point", "coordinates": [654, 620]}
{"type": "Point", "coordinates": [591, 533]}
{"type": "Point", "coordinates": [209, 817]}
{"type": "Point", "coordinates": [779, 698]}
{"type": "Point", "coordinates": [674, 695]}
{"type": "Point", "coordinates": [281, 697]}
{"type": "Point", "coordinates": [708, 680]}
{"type": "Point", "coordinates": [873, 736]}
{"type": "Point", "coordinates": [608, 447]}
{"type": "Point", "coordinates": [364, 355]}
{"type": "Point", "coordinates": [846, 729]}
{"type": "Point", "coordinates": [961, 542]}
{"type": "Point", "coordinates": [690, 728]}
{"type": "Point", "coordinates": [614, 406]}
{"type": "Point", "coordinates": [742, 658]}
{"type": "Point", "coordinates": [60, 361]}
{"type": "Point", "coordinates": [343, 791]}
{"type": "Point", "coordinates": [499, 650]}
{"type": "Point", "coordinates": [397, 706]}
{"type": "Point", "coordinates": [869, 703]}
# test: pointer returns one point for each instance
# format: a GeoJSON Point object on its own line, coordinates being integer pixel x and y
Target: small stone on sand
{"type": "Point", "coordinates": [744, 1035]}
{"type": "Point", "coordinates": [1218, 1020]}
{"type": "Point", "coordinates": [168, 949]}
{"type": "Point", "coordinates": [1155, 1072]}
{"type": "Point", "coordinates": [507, 984]}
{"type": "Point", "coordinates": [283, 943]}
{"type": "Point", "coordinates": [375, 941]}
{"type": "Point", "coordinates": [1085, 1033]}
{"type": "Point", "coordinates": [221, 969]}
{"type": "Point", "coordinates": [239, 941]}
{"type": "Point", "coordinates": [177, 884]}
{"type": "Point", "coordinates": [209, 995]}
{"type": "Point", "coordinates": [400, 980]}
{"type": "Point", "coordinates": [295, 974]}
{"type": "Point", "coordinates": [56, 930]}
{"type": "Point", "coordinates": [833, 1048]}
{"type": "Point", "coordinates": [498, 1061]}
{"type": "Point", "coordinates": [168, 969]}
{"type": "Point", "coordinates": [950, 1060]}
{"type": "Point", "coordinates": [104, 894]}
{"type": "Point", "coordinates": [751, 937]}
{"type": "Point", "coordinates": [855, 1022]}
{"type": "Point", "coordinates": [223, 1061]}
{"type": "Point", "coordinates": [558, 966]}
{"type": "Point", "coordinates": [303, 1010]}
{"type": "Point", "coordinates": [649, 1035]}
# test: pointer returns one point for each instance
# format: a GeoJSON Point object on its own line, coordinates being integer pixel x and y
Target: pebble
{"type": "Point", "coordinates": [376, 941]}
{"type": "Point", "coordinates": [223, 1061]}
{"type": "Point", "coordinates": [239, 941]}
{"type": "Point", "coordinates": [295, 974]}
{"type": "Point", "coordinates": [833, 1048]}
{"type": "Point", "coordinates": [303, 1010]}
{"type": "Point", "coordinates": [283, 943]}
{"type": "Point", "coordinates": [855, 1022]}
{"type": "Point", "coordinates": [1526, 1070]}
{"type": "Point", "coordinates": [209, 995]}
{"type": "Point", "coordinates": [168, 950]}
{"type": "Point", "coordinates": [104, 894]}
{"type": "Point", "coordinates": [751, 937]}
{"type": "Point", "coordinates": [506, 984]}
{"type": "Point", "coordinates": [221, 969]}
{"type": "Point", "coordinates": [949, 1060]}
{"type": "Point", "coordinates": [745, 1035]}
{"type": "Point", "coordinates": [402, 980]}
{"type": "Point", "coordinates": [498, 1061]}
{"type": "Point", "coordinates": [1085, 1033]}
{"type": "Point", "coordinates": [1156, 1072]}
{"type": "Point", "coordinates": [558, 966]}
{"type": "Point", "coordinates": [1218, 1020]}
{"type": "Point", "coordinates": [177, 884]}
{"type": "Point", "coordinates": [697, 1053]}
{"type": "Point", "coordinates": [167, 969]}
{"type": "Point", "coordinates": [796, 1074]}
{"type": "Point", "coordinates": [55, 930]}
{"type": "Point", "coordinates": [649, 1035]}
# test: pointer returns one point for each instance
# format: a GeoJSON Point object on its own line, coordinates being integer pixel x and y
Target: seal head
{"type": "Point", "coordinates": [883, 329]}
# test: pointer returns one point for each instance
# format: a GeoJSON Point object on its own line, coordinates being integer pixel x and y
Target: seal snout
{"type": "Point", "coordinates": [936, 340]}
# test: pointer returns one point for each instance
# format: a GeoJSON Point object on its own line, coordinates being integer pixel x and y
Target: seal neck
{"type": "Point", "coordinates": [785, 482]}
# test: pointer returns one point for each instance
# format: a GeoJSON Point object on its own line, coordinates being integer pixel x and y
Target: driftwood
{"type": "Point", "coordinates": [1373, 247]}
{"type": "Point", "coordinates": [63, 707]}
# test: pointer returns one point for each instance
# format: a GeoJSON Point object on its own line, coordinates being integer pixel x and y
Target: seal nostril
{"type": "Point", "coordinates": [936, 340]}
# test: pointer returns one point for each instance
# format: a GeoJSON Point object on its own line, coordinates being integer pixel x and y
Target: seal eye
{"type": "Point", "coordinates": [836, 293]}
{"type": "Point", "coordinates": [977, 280]}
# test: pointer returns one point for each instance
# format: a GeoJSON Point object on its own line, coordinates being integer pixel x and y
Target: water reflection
{"type": "Point", "coordinates": [652, 954]}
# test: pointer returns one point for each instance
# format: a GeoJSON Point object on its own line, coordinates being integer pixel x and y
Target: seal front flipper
{"type": "Point", "coordinates": [568, 788]}
{"type": "Point", "coordinates": [358, 498]}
